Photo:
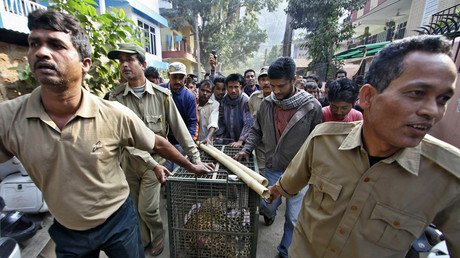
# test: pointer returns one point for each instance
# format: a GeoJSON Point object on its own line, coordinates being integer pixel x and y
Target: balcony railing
{"type": "Point", "coordinates": [453, 11]}
{"type": "Point", "coordinates": [179, 54]}
{"type": "Point", "coordinates": [19, 7]}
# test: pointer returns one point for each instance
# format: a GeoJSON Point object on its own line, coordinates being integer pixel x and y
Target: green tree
{"type": "Point", "coordinates": [235, 38]}
{"type": "Point", "coordinates": [274, 53]}
{"type": "Point", "coordinates": [105, 31]}
{"type": "Point", "coordinates": [321, 19]}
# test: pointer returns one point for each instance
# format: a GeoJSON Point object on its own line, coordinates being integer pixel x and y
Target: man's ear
{"type": "Point", "coordinates": [144, 65]}
{"type": "Point", "coordinates": [86, 64]}
{"type": "Point", "coordinates": [366, 94]}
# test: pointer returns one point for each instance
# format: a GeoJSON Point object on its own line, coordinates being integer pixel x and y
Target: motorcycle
{"type": "Point", "coordinates": [431, 242]}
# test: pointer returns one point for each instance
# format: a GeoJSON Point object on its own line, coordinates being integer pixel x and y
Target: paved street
{"type": "Point", "coordinates": [268, 237]}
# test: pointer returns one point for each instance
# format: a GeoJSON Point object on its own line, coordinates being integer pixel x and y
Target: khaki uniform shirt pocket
{"type": "Point", "coordinates": [325, 193]}
{"type": "Point", "coordinates": [392, 228]}
{"type": "Point", "coordinates": [155, 123]}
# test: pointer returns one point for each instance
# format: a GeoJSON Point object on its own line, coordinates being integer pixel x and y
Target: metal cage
{"type": "Point", "coordinates": [212, 215]}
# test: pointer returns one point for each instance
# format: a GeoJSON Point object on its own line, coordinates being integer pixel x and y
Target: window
{"type": "Point", "coordinates": [149, 37]}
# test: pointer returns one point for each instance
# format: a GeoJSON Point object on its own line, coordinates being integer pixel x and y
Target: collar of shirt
{"type": "Point", "coordinates": [88, 108]}
{"type": "Point", "coordinates": [148, 89]}
{"type": "Point", "coordinates": [407, 158]}
{"type": "Point", "coordinates": [259, 94]}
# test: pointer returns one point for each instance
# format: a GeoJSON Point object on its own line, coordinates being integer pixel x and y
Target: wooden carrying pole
{"type": "Point", "coordinates": [262, 180]}
{"type": "Point", "coordinates": [228, 163]}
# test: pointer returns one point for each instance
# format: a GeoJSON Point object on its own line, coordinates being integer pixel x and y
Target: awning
{"type": "Point", "coordinates": [151, 61]}
{"type": "Point", "coordinates": [361, 51]}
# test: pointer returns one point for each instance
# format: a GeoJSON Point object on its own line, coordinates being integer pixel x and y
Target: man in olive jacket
{"type": "Point", "coordinates": [283, 123]}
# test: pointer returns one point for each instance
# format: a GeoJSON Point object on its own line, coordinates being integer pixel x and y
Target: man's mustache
{"type": "Point", "coordinates": [44, 64]}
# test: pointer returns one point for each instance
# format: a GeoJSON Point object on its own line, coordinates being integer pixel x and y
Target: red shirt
{"type": "Point", "coordinates": [282, 118]}
{"type": "Point", "coordinates": [353, 115]}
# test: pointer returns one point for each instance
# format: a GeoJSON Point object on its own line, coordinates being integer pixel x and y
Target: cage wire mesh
{"type": "Point", "coordinates": [212, 215]}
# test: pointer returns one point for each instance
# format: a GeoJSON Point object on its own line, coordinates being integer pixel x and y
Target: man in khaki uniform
{"type": "Point", "coordinates": [254, 104]}
{"type": "Point", "coordinates": [155, 106]}
{"type": "Point", "coordinates": [376, 185]}
{"type": "Point", "coordinates": [69, 141]}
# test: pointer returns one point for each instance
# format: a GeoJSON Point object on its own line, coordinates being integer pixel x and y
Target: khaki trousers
{"type": "Point", "coordinates": [145, 192]}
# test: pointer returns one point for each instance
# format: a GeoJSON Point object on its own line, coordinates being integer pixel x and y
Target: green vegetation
{"type": "Point", "coordinates": [228, 26]}
{"type": "Point", "coordinates": [105, 31]}
{"type": "Point", "coordinates": [321, 19]}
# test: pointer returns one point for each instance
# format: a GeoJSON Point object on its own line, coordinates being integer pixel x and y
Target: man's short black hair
{"type": "Point", "coordinates": [206, 83]}
{"type": "Point", "coordinates": [312, 76]}
{"type": "Point", "coordinates": [359, 80]}
{"type": "Point", "coordinates": [140, 58]}
{"type": "Point", "coordinates": [247, 71]}
{"type": "Point", "coordinates": [388, 64]}
{"type": "Point", "coordinates": [63, 22]}
{"type": "Point", "coordinates": [219, 79]}
{"type": "Point", "coordinates": [340, 71]}
{"type": "Point", "coordinates": [343, 89]}
{"type": "Point", "coordinates": [152, 71]}
{"type": "Point", "coordinates": [283, 67]}
{"type": "Point", "coordinates": [234, 77]}
{"type": "Point", "coordinates": [311, 85]}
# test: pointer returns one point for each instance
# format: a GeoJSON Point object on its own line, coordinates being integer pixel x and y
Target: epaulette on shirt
{"type": "Point", "coordinates": [118, 90]}
{"type": "Point", "coordinates": [161, 89]}
{"type": "Point", "coordinates": [334, 128]}
{"type": "Point", "coordinates": [445, 155]}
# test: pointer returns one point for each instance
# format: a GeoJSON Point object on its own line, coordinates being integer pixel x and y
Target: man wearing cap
{"type": "Point", "coordinates": [282, 124]}
{"type": "Point", "coordinates": [254, 104]}
{"type": "Point", "coordinates": [70, 141]}
{"type": "Point", "coordinates": [185, 102]}
{"type": "Point", "coordinates": [155, 106]}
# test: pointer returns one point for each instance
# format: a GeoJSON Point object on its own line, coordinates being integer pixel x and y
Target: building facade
{"type": "Point", "coordinates": [14, 31]}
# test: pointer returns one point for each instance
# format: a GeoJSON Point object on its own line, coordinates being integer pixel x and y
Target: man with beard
{"type": "Point", "coordinates": [235, 120]}
{"type": "Point", "coordinates": [70, 142]}
{"type": "Point", "coordinates": [254, 104]}
{"type": "Point", "coordinates": [155, 106]}
{"type": "Point", "coordinates": [282, 124]}
{"type": "Point", "coordinates": [377, 184]}
{"type": "Point", "coordinates": [250, 85]}
{"type": "Point", "coordinates": [209, 112]}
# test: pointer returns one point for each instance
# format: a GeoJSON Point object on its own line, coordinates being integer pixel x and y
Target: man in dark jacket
{"type": "Point", "coordinates": [284, 121]}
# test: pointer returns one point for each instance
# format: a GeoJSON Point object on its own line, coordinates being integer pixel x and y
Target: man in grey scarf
{"type": "Point", "coordinates": [283, 123]}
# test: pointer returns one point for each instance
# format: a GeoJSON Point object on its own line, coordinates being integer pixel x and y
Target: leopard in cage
{"type": "Point", "coordinates": [210, 226]}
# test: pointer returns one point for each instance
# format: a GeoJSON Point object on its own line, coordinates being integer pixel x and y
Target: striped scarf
{"type": "Point", "coordinates": [295, 101]}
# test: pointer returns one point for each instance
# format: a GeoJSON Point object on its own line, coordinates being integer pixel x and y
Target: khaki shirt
{"type": "Point", "coordinates": [209, 118]}
{"type": "Point", "coordinates": [354, 210]}
{"type": "Point", "coordinates": [158, 111]}
{"type": "Point", "coordinates": [254, 102]}
{"type": "Point", "coordinates": [77, 168]}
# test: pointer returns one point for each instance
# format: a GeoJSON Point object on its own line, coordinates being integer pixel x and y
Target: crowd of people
{"type": "Point", "coordinates": [352, 161]}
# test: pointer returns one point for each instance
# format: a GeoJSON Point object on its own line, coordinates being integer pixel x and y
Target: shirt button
{"type": "Point", "coordinates": [354, 208]}
{"type": "Point", "coordinates": [396, 224]}
{"type": "Point", "coordinates": [341, 231]}
{"type": "Point", "coordinates": [366, 179]}
{"type": "Point", "coordinates": [332, 250]}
